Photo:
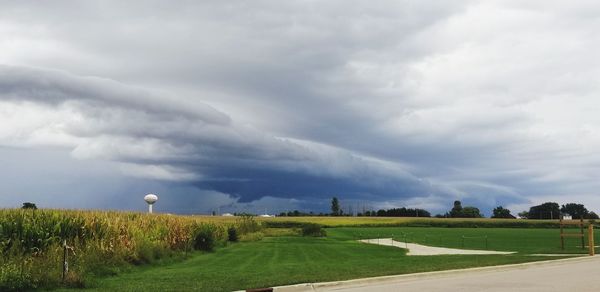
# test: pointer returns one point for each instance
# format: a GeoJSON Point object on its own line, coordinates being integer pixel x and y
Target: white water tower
{"type": "Point", "coordinates": [150, 199]}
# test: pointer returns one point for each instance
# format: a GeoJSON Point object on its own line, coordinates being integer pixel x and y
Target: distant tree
{"type": "Point", "coordinates": [548, 210]}
{"type": "Point", "coordinates": [29, 205]}
{"type": "Point", "coordinates": [335, 206]}
{"type": "Point", "coordinates": [577, 211]}
{"type": "Point", "coordinates": [471, 212]}
{"type": "Point", "coordinates": [500, 212]}
{"type": "Point", "coordinates": [457, 210]}
{"type": "Point", "coordinates": [381, 213]}
{"type": "Point", "coordinates": [592, 215]}
{"type": "Point", "coordinates": [524, 214]}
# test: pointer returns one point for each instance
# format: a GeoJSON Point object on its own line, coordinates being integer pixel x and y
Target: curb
{"type": "Point", "coordinates": [396, 278]}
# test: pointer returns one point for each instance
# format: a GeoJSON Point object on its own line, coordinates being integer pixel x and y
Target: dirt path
{"type": "Point", "coordinates": [423, 250]}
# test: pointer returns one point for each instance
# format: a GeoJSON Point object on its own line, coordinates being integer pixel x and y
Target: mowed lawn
{"type": "Point", "coordinates": [522, 240]}
{"type": "Point", "coordinates": [287, 260]}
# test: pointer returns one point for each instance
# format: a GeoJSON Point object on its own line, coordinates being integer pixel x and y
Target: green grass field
{"type": "Point", "coordinates": [292, 259]}
{"type": "Point", "coordinates": [522, 240]}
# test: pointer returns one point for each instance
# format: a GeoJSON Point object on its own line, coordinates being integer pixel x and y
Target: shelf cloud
{"type": "Point", "coordinates": [281, 106]}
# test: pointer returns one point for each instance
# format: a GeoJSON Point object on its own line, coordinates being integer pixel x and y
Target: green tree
{"type": "Point", "coordinates": [500, 212]}
{"type": "Point", "coordinates": [29, 205]}
{"type": "Point", "coordinates": [457, 210]}
{"type": "Point", "coordinates": [548, 210]}
{"type": "Point", "coordinates": [577, 211]}
{"type": "Point", "coordinates": [592, 215]}
{"type": "Point", "coordinates": [524, 214]}
{"type": "Point", "coordinates": [335, 207]}
{"type": "Point", "coordinates": [471, 212]}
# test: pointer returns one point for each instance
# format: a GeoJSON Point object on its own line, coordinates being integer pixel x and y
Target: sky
{"type": "Point", "coordinates": [271, 106]}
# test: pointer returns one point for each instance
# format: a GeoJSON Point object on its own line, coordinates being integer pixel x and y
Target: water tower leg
{"type": "Point", "coordinates": [150, 209]}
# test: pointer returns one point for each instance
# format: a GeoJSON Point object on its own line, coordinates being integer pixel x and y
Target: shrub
{"type": "Point", "coordinates": [205, 237]}
{"type": "Point", "coordinates": [232, 234]}
{"type": "Point", "coordinates": [313, 229]}
{"type": "Point", "coordinates": [247, 224]}
{"type": "Point", "coordinates": [12, 278]}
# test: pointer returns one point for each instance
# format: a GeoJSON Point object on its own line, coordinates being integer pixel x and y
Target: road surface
{"type": "Point", "coordinates": [579, 275]}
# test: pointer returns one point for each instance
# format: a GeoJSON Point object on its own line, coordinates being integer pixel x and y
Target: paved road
{"type": "Point", "coordinates": [581, 275]}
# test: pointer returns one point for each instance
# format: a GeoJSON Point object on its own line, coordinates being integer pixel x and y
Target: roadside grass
{"type": "Point", "coordinates": [525, 241]}
{"type": "Point", "coordinates": [288, 260]}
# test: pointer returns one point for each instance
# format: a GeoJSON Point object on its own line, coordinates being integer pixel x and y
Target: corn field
{"type": "Point", "coordinates": [98, 243]}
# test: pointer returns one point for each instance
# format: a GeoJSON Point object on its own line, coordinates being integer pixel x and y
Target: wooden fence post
{"type": "Point", "coordinates": [65, 260]}
{"type": "Point", "coordinates": [591, 239]}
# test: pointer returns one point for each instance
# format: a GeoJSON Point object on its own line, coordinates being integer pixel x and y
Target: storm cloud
{"type": "Point", "coordinates": [282, 105]}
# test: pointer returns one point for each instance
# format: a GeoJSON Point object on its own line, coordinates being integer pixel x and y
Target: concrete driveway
{"type": "Point", "coordinates": [580, 274]}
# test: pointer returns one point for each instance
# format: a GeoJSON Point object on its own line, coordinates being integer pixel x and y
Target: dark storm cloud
{"type": "Point", "coordinates": [195, 147]}
{"type": "Point", "coordinates": [399, 102]}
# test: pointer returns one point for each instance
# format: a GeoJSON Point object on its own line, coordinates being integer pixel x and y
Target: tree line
{"type": "Point", "coordinates": [548, 210]}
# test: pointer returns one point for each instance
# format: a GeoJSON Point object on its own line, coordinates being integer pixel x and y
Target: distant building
{"type": "Point", "coordinates": [227, 215]}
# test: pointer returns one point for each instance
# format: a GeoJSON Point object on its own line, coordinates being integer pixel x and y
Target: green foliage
{"type": "Point", "coordinates": [467, 212]}
{"type": "Point", "coordinates": [577, 211]}
{"type": "Point", "coordinates": [29, 205]}
{"type": "Point", "coordinates": [101, 243]}
{"type": "Point", "coordinates": [500, 212]}
{"type": "Point", "coordinates": [313, 229]}
{"type": "Point", "coordinates": [232, 234]}
{"type": "Point", "coordinates": [403, 212]}
{"type": "Point", "coordinates": [548, 210]}
{"type": "Point", "coordinates": [335, 206]}
{"type": "Point", "coordinates": [471, 212]}
{"type": "Point", "coordinates": [456, 211]}
{"type": "Point", "coordinates": [207, 235]}
{"type": "Point", "coordinates": [247, 224]}
{"type": "Point", "coordinates": [13, 278]}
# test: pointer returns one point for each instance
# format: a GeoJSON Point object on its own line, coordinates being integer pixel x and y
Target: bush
{"type": "Point", "coordinates": [12, 278]}
{"type": "Point", "coordinates": [247, 224]}
{"type": "Point", "coordinates": [205, 237]}
{"type": "Point", "coordinates": [232, 234]}
{"type": "Point", "coordinates": [313, 229]}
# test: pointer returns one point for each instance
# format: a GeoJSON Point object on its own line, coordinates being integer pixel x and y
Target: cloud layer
{"type": "Point", "coordinates": [398, 103]}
